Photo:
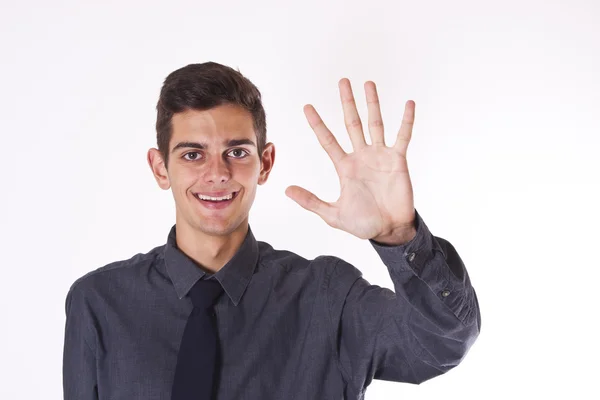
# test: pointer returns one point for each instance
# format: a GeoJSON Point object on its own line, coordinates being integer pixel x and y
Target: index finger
{"type": "Point", "coordinates": [324, 135]}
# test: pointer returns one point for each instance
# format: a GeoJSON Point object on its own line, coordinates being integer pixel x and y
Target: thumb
{"type": "Point", "coordinates": [310, 202]}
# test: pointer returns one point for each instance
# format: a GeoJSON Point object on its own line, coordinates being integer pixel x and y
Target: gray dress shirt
{"type": "Point", "coordinates": [288, 327]}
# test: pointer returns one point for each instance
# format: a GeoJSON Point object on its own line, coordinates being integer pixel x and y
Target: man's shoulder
{"type": "Point", "coordinates": [119, 269]}
{"type": "Point", "coordinates": [289, 261]}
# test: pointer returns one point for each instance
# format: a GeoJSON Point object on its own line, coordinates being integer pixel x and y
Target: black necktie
{"type": "Point", "coordinates": [196, 359]}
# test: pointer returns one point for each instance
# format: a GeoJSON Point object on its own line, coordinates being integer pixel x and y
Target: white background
{"type": "Point", "coordinates": [504, 160]}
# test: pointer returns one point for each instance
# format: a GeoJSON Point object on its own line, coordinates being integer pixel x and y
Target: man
{"type": "Point", "coordinates": [214, 313]}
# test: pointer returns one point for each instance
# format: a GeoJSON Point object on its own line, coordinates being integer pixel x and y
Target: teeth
{"type": "Point", "coordinates": [228, 197]}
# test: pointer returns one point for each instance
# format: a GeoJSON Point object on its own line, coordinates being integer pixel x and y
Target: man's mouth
{"type": "Point", "coordinates": [214, 202]}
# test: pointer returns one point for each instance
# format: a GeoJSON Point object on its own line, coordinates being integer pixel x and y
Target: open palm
{"type": "Point", "coordinates": [376, 192]}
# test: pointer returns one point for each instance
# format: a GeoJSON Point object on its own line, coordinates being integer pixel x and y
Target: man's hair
{"type": "Point", "coordinates": [202, 87]}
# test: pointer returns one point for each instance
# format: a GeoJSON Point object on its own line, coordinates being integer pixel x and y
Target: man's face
{"type": "Point", "coordinates": [214, 168]}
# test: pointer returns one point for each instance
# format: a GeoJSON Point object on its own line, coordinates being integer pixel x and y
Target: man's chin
{"type": "Point", "coordinates": [214, 228]}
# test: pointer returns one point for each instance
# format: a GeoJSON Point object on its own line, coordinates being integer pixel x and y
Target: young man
{"type": "Point", "coordinates": [214, 313]}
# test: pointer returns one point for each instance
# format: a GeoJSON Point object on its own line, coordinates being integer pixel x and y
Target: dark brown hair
{"type": "Point", "coordinates": [202, 87]}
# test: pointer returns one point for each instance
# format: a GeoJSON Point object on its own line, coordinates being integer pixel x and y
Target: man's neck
{"type": "Point", "coordinates": [210, 252]}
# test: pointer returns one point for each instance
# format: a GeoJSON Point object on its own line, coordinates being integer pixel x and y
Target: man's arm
{"type": "Point", "coordinates": [427, 326]}
{"type": "Point", "coordinates": [422, 330]}
{"type": "Point", "coordinates": [79, 359]}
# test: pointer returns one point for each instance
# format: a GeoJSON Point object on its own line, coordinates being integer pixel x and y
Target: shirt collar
{"type": "Point", "coordinates": [234, 276]}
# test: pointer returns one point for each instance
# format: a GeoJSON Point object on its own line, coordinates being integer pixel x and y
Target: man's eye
{"type": "Point", "coordinates": [238, 153]}
{"type": "Point", "coordinates": [192, 158]}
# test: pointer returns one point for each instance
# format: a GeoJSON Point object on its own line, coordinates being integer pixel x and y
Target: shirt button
{"type": "Point", "coordinates": [445, 293]}
{"type": "Point", "coordinates": [411, 257]}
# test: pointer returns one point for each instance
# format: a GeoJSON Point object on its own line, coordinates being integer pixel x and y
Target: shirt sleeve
{"type": "Point", "coordinates": [421, 330]}
{"type": "Point", "coordinates": [79, 356]}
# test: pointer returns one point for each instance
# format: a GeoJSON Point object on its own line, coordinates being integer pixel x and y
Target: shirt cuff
{"type": "Point", "coordinates": [410, 256]}
{"type": "Point", "coordinates": [435, 262]}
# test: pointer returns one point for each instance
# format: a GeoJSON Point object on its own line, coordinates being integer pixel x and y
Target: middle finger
{"type": "Point", "coordinates": [351, 117]}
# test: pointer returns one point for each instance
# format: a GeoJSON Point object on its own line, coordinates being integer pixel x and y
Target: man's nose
{"type": "Point", "coordinates": [217, 170]}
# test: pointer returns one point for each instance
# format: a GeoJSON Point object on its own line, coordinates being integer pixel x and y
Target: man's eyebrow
{"type": "Point", "coordinates": [193, 145]}
{"type": "Point", "coordinates": [203, 146]}
{"type": "Point", "coordinates": [239, 142]}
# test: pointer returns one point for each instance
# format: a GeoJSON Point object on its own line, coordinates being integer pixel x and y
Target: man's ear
{"type": "Point", "coordinates": [267, 161]}
{"type": "Point", "coordinates": [159, 170]}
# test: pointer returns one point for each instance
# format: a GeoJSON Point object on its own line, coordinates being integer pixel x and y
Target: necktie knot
{"type": "Point", "coordinates": [205, 292]}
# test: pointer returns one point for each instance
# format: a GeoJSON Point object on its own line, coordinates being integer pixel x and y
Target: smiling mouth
{"type": "Point", "coordinates": [217, 202]}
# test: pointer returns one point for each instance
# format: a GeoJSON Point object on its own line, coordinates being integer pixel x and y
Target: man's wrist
{"type": "Point", "coordinates": [397, 237]}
